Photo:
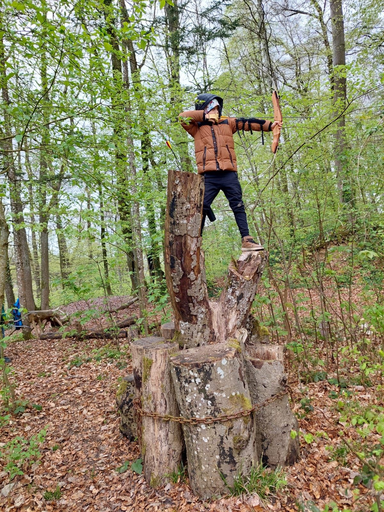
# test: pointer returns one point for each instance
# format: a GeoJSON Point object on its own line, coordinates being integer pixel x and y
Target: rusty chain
{"type": "Point", "coordinates": [208, 420]}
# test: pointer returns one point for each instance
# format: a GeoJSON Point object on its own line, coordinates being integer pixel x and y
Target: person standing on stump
{"type": "Point", "coordinates": [216, 158]}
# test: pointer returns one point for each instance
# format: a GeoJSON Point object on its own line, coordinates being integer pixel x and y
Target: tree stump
{"type": "Point", "coordinates": [274, 421]}
{"type": "Point", "coordinates": [168, 331]}
{"type": "Point", "coordinates": [198, 320]}
{"type": "Point", "coordinates": [161, 441]}
{"type": "Point", "coordinates": [217, 379]}
{"type": "Point", "coordinates": [266, 352]}
{"type": "Point", "coordinates": [209, 382]}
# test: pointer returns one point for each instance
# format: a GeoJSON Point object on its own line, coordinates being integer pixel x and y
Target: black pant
{"type": "Point", "coordinates": [228, 182]}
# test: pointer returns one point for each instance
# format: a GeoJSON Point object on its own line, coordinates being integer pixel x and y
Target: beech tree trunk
{"type": "Point", "coordinates": [161, 441]}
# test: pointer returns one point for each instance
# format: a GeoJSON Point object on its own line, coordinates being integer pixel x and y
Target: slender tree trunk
{"type": "Point", "coordinates": [346, 191]}
{"type": "Point", "coordinates": [23, 267]}
{"type": "Point", "coordinates": [124, 203]}
{"type": "Point", "coordinates": [4, 234]}
{"type": "Point", "coordinates": [103, 244]}
{"type": "Point", "coordinates": [9, 285]}
{"type": "Point", "coordinates": [63, 250]}
{"type": "Point", "coordinates": [43, 175]}
{"type": "Point", "coordinates": [146, 152]}
{"type": "Point", "coordinates": [34, 241]}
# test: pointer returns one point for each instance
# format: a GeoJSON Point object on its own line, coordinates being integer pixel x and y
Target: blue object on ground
{"type": "Point", "coordinates": [17, 322]}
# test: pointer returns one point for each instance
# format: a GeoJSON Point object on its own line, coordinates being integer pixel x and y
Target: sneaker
{"type": "Point", "coordinates": [250, 245]}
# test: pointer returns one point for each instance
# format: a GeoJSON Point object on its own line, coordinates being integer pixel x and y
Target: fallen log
{"type": "Point", "coordinates": [161, 441]}
{"type": "Point", "coordinates": [124, 306]}
{"type": "Point", "coordinates": [84, 335]}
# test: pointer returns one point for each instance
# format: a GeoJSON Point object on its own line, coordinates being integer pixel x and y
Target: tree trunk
{"type": "Point", "coordinates": [42, 189]}
{"type": "Point", "coordinates": [4, 234]}
{"type": "Point", "coordinates": [199, 320]}
{"type": "Point", "coordinates": [161, 441]}
{"type": "Point", "coordinates": [9, 285]}
{"type": "Point", "coordinates": [346, 189]}
{"type": "Point", "coordinates": [103, 244]}
{"type": "Point", "coordinates": [119, 137]}
{"type": "Point", "coordinates": [63, 250]}
{"type": "Point", "coordinates": [209, 382]}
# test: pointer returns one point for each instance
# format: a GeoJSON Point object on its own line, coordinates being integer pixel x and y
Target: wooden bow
{"type": "Point", "coordinates": [277, 117]}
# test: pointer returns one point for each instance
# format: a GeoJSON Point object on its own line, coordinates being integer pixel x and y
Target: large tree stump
{"type": "Point", "coordinates": [275, 421]}
{"type": "Point", "coordinates": [217, 379]}
{"type": "Point", "coordinates": [209, 382]}
{"type": "Point", "coordinates": [199, 320]}
{"type": "Point", "coordinates": [161, 441]}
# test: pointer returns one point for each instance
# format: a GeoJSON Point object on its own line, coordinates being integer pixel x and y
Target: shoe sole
{"type": "Point", "coordinates": [253, 249]}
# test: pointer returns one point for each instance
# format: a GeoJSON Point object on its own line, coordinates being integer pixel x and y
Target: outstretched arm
{"type": "Point", "coordinates": [189, 120]}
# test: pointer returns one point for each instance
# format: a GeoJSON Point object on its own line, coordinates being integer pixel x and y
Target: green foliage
{"type": "Point", "coordinates": [262, 481]}
{"type": "Point", "coordinates": [52, 495]}
{"type": "Point", "coordinates": [136, 466]}
{"type": "Point", "coordinates": [179, 476]}
{"type": "Point", "coordinates": [21, 452]}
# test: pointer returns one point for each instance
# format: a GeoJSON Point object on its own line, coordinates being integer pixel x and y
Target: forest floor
{"type": "Point", "coordinates": [71, 387]}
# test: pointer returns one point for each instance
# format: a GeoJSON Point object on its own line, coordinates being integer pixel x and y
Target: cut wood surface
{"type": "Point", "coordinates": [266, 352]}
{"type": "Point", "coordinates": [161, 441]}
{"type": "Point", "coordinates": [168, 330]}
{"type": "Point", "coordinates": [209, 382]}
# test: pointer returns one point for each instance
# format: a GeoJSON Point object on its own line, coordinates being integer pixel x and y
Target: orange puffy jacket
{"type": "Point", "coordinates": [214, 144]}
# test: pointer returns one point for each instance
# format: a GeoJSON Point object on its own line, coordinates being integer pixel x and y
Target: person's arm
{"type": "Point", "coordinates": [189, 120]}
{"type": "Point", "coordinates": [251, 124]}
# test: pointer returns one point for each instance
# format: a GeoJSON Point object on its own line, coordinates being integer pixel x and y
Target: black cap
{"type": "Point", "coordinates": [203, 99]}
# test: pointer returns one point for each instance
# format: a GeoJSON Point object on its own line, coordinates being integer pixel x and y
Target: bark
{"type": "Point", "coordinates": [274, 421]}
{"type": "Point", "coordinates": [63, 250]}
{"type": "Point", "coordinates": [43, 174]}
{"type": "Point", "coordinates": [119, 135]}
{"type": "Point", "coordinates": [84, 335]}
{"type": "Point", "coordinates": [172, 50]}
{"type": "Point", "coordinates": [23, 267]}
{"type": "Point", "coordinates": [161, 441]}
{"type": "Point", "coordinates": [346, 189]}
{"type": "Point", "coordinates": [209, 381]}
{"type": "Point", "coordinates": [198, 320]}
{"type": "Point", "coordinates": [124, 400]}
{"type": "Point", "coordinates": [9, 285]}
{"type": "Point", "coordinates": [34, 242]}
{"type": "Point", "coordinates": [147, 153]}
{"type": "Point", "coordinates": [4, 234]}
{"type": "Point", "coordinates": [104, 245]}
{"type": "Point", "coordinates": [184, 259]}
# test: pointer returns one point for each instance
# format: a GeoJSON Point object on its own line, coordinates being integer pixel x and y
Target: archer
{"type": "Point", "coordinates": [216, 158]}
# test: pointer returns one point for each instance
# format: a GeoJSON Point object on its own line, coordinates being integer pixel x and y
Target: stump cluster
{"type": "Point", "coordinates": [208, 390]}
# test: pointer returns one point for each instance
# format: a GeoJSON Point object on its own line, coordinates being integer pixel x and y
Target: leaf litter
{"type": "Point", "coordinates": [84, 449]}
